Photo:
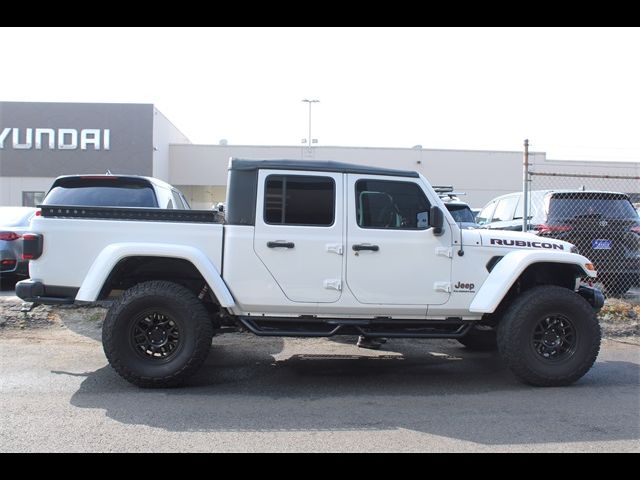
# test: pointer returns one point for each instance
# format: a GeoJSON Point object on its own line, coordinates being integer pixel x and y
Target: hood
{"type": "Point", "coordinates": [519, 240]}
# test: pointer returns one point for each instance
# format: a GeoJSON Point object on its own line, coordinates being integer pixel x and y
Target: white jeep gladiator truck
{"type": "Point", "coordinates": [314, 249]}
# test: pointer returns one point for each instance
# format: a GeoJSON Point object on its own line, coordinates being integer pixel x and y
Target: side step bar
{"type": "Point", "coordinates": [377, 327]}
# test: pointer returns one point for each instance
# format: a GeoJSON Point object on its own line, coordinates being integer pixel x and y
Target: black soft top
{"type": "Point", "coordinates": [316, 166]}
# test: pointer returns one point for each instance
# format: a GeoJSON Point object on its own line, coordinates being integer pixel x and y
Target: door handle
{"type": "Point", "coordinates": [364, 246]}
{"type": "Point", "coordinates": [280, 244]}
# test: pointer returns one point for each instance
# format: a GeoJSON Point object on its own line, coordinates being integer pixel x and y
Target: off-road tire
{"type": "Point", "coordinates": [190, 320]}
{"type": "Point", "coordinates": [480, 339]}
{"type": "Point", "coordinates": [517, 336]}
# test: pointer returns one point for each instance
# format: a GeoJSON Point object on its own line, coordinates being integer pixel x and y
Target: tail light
{"type": "Point", "coordinates": [8, 262]}
{"type": "Point", "coordinates": [546, 229]}
{"type": "Point", "coordinates": [31, 246]}
{"type": "Point", "coordinates": [9, 236]}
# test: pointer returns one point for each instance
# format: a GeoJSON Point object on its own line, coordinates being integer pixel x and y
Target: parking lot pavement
{"type": "Point", "coordinates": [257, 394]}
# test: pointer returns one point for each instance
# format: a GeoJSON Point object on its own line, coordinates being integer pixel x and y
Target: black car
{"type": "Point", "coordinates": [14, 223]}
{"type": "Point", "coordinates": [604, 227]}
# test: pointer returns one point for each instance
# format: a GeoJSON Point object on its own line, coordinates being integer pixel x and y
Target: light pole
{"type": "Point", "coordinates": [310, 102]}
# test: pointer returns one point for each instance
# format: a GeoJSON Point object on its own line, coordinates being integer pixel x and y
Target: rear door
{"type": "Point", "coordinates": [298, 233]}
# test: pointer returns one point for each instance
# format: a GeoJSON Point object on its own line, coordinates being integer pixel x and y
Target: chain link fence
{"type": "Point", "coordinates": [599, 215]}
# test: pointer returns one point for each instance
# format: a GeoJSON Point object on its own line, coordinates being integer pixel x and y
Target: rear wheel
{"type": "Point", "coordinates": [157, 334]}
{"type": "Point", "coordinates": [481, 338]}
{"type": "Point", "coordinates": [549, 336]}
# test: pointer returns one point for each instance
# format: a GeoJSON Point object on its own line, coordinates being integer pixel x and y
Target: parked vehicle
{"type": "Point", "coordinates": [114, 191]}
{"type": "Point", "coordinates": [459, 210]}
{"type": "Point", "coordinates": [602, 225]}
{"type": "Point", "coordinates": [14, 223]}
{"type": "Point", "coordinates": [312, 249]}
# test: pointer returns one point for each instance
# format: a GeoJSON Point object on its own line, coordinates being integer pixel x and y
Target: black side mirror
{"type": "Point", "coordinates": [436, 220]}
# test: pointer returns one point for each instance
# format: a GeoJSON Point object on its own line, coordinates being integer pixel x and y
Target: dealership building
{"type": "Point", "coordinates": [40, 141]}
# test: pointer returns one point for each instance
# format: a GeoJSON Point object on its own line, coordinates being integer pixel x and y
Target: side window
{"type": "Point", "coordinates": [177, 200]}
{"type": "Point", "coordinates": [391, 205]}
{"type": "Point", "coordinates": [505, 209]}
{"type": "Point", "coordinates": [486, 213]}
{"type": "Point", "coordinates": [299, 200]}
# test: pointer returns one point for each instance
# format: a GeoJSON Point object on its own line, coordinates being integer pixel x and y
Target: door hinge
{"type": "Point", "coordinates": [442, 287]}
{"type": "Point", "coordinates": [444, 252]}
{"type": "Point", "coordinates": [334, 248]}
{"type": "Point", "coordinates": [333, 284]}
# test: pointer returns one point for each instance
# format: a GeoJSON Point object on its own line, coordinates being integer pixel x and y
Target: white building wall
{"type": "Point", "coordinates": [164, 134]}
{"type": "Point", "coordinates": [11, 188]}
{"type": "Point", "coordinates": [481, 174]}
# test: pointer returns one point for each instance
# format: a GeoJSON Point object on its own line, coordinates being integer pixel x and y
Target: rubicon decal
{"type": "Point", "coordinates": [523, 243]}
{"type": "Point", "coordinates": [55, 139]}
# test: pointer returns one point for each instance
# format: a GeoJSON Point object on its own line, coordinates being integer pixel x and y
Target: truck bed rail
{"type": "Point", "coordinates": [131, 214]}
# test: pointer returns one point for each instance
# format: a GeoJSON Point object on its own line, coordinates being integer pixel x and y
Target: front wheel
{"type": "Point", "coordinates": [549, 336]}
{"type": "Point", "coordinates": [157, 334]}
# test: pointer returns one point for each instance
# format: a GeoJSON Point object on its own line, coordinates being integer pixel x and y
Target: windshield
{"type": "Point", "coordinates": [461, 213]}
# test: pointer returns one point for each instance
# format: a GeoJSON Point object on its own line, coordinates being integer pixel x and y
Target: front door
{"type": "Point", "coordinates": [393, 257]}
{"type": "Point", "coordinates": [298, 233]}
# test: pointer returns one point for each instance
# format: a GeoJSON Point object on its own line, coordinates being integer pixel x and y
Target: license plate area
{"type": "Point", "coordinates": [601, 244]}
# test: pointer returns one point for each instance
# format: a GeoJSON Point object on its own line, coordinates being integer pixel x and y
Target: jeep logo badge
{"type": "Point", "coordinates": [464, 287]}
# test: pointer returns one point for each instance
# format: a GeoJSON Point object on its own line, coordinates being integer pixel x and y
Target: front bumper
{"type": "Point", "coordinates": [592, 295]}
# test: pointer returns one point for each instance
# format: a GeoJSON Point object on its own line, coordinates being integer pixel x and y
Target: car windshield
{"type": "Point", "coordinates": [590, 204]}
{"type": "Point", "coordinates": [15, 216]}
{"type": "Point", "coordinates": [100, 195]}
{"type": "Point", "coordinates": [461, 213]}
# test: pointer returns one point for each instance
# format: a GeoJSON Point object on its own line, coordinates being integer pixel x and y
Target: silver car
{"type": "Point", "coordinates": [14, 222]}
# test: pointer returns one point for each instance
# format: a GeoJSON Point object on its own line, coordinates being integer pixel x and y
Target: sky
{"type": "Point", "coordinates": [574, 93]}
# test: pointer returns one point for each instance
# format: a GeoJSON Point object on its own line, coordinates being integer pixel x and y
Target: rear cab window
{"type": "Point", "coordinates": [102, 192]}
{"type": "Point", "coordinates": [299, 200]}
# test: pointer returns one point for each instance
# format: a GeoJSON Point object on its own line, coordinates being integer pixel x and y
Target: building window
{"type": "Point", "coordinates": [299, 200]}
{"type": "Point", "coordinates": [32, 199]}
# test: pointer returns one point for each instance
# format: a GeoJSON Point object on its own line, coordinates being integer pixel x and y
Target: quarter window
{"type": "Point", "coordinates": [391, 205]}
{"type": "Point", "coordinates": [299, 200]}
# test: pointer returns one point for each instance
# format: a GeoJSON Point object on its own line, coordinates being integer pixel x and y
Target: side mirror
{"type": "Point", "coordinates": [436, 220]}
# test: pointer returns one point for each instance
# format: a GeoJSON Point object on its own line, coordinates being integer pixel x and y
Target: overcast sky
{"type": "Point", "coordinates": [575, 93]}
